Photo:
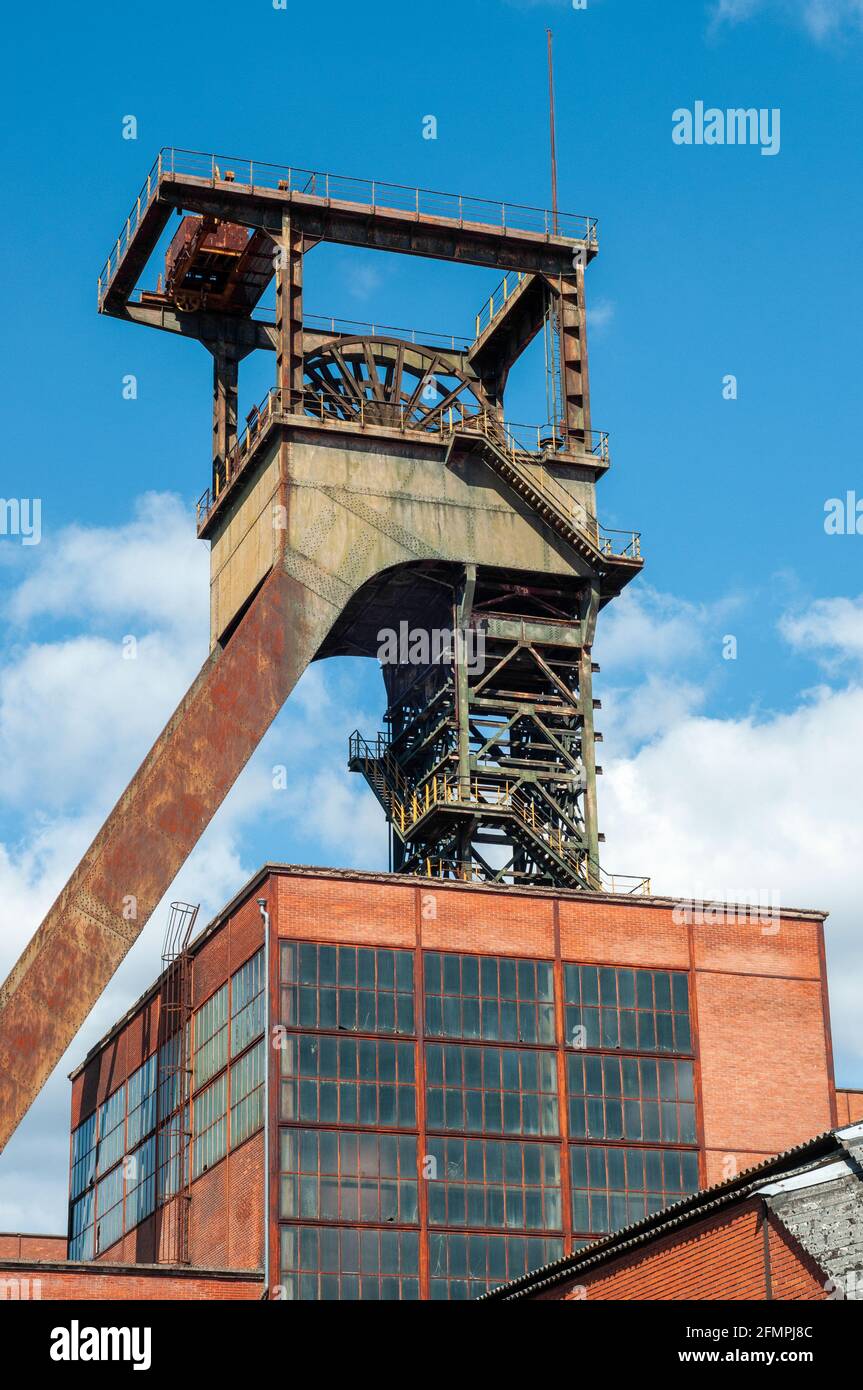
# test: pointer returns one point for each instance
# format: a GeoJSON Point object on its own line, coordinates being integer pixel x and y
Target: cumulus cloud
{"type": "Point", "coordinates": [831, 628]}
{"type": "Point", "coordinates": [746, 804]}
{"type": "Point", "coordinates": [150, 570]}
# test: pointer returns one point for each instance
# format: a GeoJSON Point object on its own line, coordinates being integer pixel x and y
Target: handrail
{"type": "Point", "coordinates": [456, 208]}
{"type": "Point", "coordinates": [536, 476]}
{"type": "Point", "coordinates": [498, 299]}
{"type": "Point", "coordinates": [149, 189]}
{"type": "Point", "coordinates": [454, 341]}
{"type": "Point", "coordinates": [407, 805]}
{"type": "Point", "coordinates": [527, 464]}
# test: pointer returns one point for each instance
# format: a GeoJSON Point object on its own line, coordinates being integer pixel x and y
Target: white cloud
{"type": "Point", "coordinates": [720, 807]}
{"type": "Point", "coordinates": [831, 628]}
{"type": "Point", "coordinates": [151, 570]}
{"type": "Point", "coordinates": [600, 314]}
{"type": "Point", "coordinates": [821, 19]}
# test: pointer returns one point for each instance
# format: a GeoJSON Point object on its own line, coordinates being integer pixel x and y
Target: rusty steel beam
{"type": "Point", "coordinates": [150, 833]}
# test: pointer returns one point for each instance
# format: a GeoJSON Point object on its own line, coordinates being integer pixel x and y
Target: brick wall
{"type": "Point", "coordinates": [720, 1258]}
{"type": "Point", "coordinates": [849, 1107]}
{"type": "Point", "coordinates": [87, 1282]}
{"type": "Point", "coordinates": [758, 999]}
{"type": "Point", "coordinates": [758, 995]}
{"type": "Point", "coordinates": [25, 1247]}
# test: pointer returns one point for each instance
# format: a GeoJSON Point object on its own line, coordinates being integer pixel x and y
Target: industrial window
{"type": "Point", "coordinates": [247, 1094]}
{"type": "Point", "coordinates": [638, 1098]}
{"type": "Point", "coordinates": [112, 1131]}
{"type": "Point", "coordinates": [141, 1102]}
{"type": "Point", "coordinates": [109, 1209]}
{"type": "Point", "coordinates": [209, 1124]}
{"type": "Point", "coordinates": [348, 1175]}
{"type": "Point", "coordinates": [140, 1169]}
{"type": "Point", "coordinates": [211, 1036]}
{"type": "Point", "coordinates": [82, 1228]}
{"type": "Point", "coordinates": [634, 1010]}
{"type": "Point", "coordinates": [83, 1155]}
{"type": "Point", "coordinates": [173, 1075]}
{"type": "Point", "coordinates": [493, 1182]}
{"type": "Point", "coordinates": [465, 1266]}
{"type": "Point", "coordinates": [247, 1003]}
{"type": "Point", "coordinates": [332, 1262]}
{"type": "Point", "coordinates": [613, 1187]}
{"type": "Point", "coordinates": [358, 988]}
{"type": "Point", "coordinates": [492, 1090]}
{"type": "Point", "coordinates": [496, 999]}
{"type": "Point", "coordinates": [348, 1081]}
{"type": "Point", "coordinates": [172, 1143]}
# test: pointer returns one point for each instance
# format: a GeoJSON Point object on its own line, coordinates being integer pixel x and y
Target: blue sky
{"type": "Point", "coordinates": [713, 260]}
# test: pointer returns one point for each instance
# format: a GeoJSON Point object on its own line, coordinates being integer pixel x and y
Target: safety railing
{"type": "Point", "coordinates": [330, 409]}
{"type": "Point", "coordinates": [407, 806]}
{"type": "Point", "coordinates": [527, 463]}
{"type": "Point", "coordinates": [319, 323]}
{"type": "Point", "coordinates": [148, 192]}
{"type": "Point", "coordinates": [499, 298]}
{"type": "Point", "coordinates": [379, 196]}
{"type": "Point", "coordinates": [536, 477]}
{"type": "Point", "coordinates": [370, 194]}
{"type": "Point", "coordinates": [533, 474]}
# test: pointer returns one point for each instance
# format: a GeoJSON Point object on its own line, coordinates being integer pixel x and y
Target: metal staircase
{"type": "Point", "coordinates": [528, 477]}
{"type": "Point", "coordinates": [409, 810]}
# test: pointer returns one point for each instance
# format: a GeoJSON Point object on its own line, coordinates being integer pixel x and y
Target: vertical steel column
{"type": "Point", "coordinates": [588, 743]}
{"type": "Point", "coordinates": [226, 376]}
{"type": "Point", "coordinates": [289, 314]}
{"type": "Point", "coordinates": [463, 611]}
{"type": "Point", "coordinates": [572, 336]}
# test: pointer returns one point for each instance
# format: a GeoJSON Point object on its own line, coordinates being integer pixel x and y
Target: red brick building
{"type": "Point", "coordinates": [465, 1083]}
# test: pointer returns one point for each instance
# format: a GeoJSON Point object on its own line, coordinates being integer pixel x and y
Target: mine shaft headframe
{"type": "Point", "coordinates": [246, 222]}
{"type": "Point", "coordinates": [487, 767]}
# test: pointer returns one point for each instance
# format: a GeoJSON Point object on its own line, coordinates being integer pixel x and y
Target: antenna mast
{"type": "Point", "coordinates": [551, 129]}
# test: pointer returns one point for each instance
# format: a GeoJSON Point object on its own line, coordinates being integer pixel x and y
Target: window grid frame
{"type": "Point", "coordinates": [433, 1086]}
{"type": "Point", "coordinates": [165, 1164]}
{"type": "Point", "coordinates": [290, 984]}
{"type": "Point", "coordinates": [343, 1236]}
{"type": "Point", "coordinates": [666, 1193]}
{"type": "Point", "coordinates": [444, 963]}
{"type": "Point", "coordinates": [685, 1105]}
{"type": "Point", "coordinates": [488, 1185]}
{"type": "Point", "coordinates": [405, 1144]}
{"type": "Point", "coordinates": [575, 1007]}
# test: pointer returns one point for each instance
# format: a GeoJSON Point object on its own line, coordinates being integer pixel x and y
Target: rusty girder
{"type": "Point", "coordinates": [150, 833]}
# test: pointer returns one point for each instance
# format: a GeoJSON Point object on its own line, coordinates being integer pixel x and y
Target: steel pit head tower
{"type": "Point", "coordinates": [377, 488]}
